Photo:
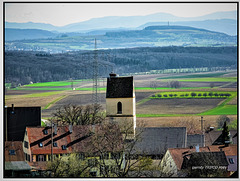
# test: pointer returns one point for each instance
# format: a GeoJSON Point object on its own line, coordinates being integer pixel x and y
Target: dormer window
{"type": "Point", "coordinates": [64, 147]}
{"type": "Point", "coordinates": [12, 152]}
{"type": "Point", "coordinates": [45, 131]}
{"type": "Point", "coordinates": [119, 108]}
{"type": "Point", "coordinates": [54, 144]}
{"type": "Point", "coordinates": [40, 144]}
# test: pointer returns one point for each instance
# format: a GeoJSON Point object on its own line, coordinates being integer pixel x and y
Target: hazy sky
{"type": "Point", "coordinates": [60, 14]}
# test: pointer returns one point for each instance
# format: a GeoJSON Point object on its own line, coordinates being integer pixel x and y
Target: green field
{"type": "Point", "coordinates": [222, 110]}
{"type": "Point", "coordinates": [194, 76]}
{"type": "Point", "coordinates": [162, 115]}
{"type": "Point", "coordinates": [42, 94]}
{"type": "Point", "coordinates": [53, 84]}
{"type": "Point", "coordinates": [188, 94]}
{"type": "Point", "coordinates": [210, 79]}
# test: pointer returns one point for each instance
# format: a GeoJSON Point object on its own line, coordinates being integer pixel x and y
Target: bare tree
{"type": "Point", "coordinates": [175, 84]}
{"type": "Point", "coordinates": [119, 141]}
{"type": "Point", "coordinates": [79, 115]}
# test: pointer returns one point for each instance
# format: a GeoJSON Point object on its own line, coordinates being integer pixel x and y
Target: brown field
{"type": "Point", "coordinates": [177, 106]}
{"type": "Point", "coordinates": [179, 121]}
{"type": "Point", "coordinates": [159, 106]}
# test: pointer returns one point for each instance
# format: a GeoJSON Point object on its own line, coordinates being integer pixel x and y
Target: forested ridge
{"type": "Point", "coordinates": [25, 66]}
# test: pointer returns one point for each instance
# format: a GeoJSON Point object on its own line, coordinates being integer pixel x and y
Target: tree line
{"type": "Point", "coordinates": [30, 66]}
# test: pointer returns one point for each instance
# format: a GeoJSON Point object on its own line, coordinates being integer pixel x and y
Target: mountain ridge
{"type": "Point", "coordinates": [120, 22]}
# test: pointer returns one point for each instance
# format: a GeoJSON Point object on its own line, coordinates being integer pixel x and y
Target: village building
{"type": "Point", "coordinates": [213, 137]}
{"type": "Point", "coordinates": [16, 120]}
{"type": "Point", "coordinates": [14, 160]}
{"type": "Point", "coordinates": [172, 161]}
{"type": "Point", "coordinates": [120, 100]}
{"type": "Point", "coordinates": [39, 146]}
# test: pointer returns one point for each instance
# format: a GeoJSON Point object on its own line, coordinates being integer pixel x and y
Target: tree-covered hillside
{"type": "Point", "coordinates": [25, 66]}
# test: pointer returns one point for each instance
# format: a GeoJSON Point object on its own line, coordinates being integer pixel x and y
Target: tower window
{"type": "Point", "coordinates": [119, 108]}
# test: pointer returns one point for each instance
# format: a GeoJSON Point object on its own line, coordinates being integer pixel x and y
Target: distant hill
{"type": "Point", "coordinates": [151, 36]}
{"type": "Point", "coordinates": [173, 35]}
{"type": "Point", "coordinates": [228, 26]}
{"type": "Point", "coordinates": [21, 34]}
{"type": "Point", "coordinates": [121, 22]}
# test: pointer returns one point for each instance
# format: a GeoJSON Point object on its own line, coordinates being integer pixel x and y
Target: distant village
{"type": "Point", "coordinates": [113, 146]}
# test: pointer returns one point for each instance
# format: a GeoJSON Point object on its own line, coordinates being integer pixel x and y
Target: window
{"type": "Point", "coordinates": [45, 131]}
{"type": "Point", "coordinates": [231, 161]}
{"type": "Point", "coordinates": [119, 108]}
{"type": "Point", "coordinates": [115, 155]}
{"type": "Point", "coordinates": [92, 162]}
{"type": "Point", "coordinates": [12, 152]}
{"type": "Point", "coordinates": [41, 158]}
{"type": "Point", "coordinates": [25, 144]}
{"type": "Point", "coordinates": [81, 156]}
{"type": "Point", "coordinates": [64, 147]}
{"type": "Point", "coordinates": [55, 144]}
{"type": "Point", "coordinates": [93, 173]}
{"type": "Point", "coordinates": [40, 144]}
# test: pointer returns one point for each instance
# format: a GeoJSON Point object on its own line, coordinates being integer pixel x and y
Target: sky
{"type": "Point", "coordinates": [60, 14]}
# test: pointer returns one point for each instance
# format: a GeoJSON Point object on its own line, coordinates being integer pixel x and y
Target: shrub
{"type": "Point", "coordinates": [193, 94]}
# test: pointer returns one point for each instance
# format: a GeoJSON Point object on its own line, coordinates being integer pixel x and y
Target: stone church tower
{"type": "Point", "coordinates": [120, 100]}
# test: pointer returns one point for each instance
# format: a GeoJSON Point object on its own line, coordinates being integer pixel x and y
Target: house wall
{"type": "Point", "coordinates": [128, 106]}
{"type": "Point", "coordinates": [168, 166]}
{"type": "Point", "coordinates": [27, 150]}
{"type": "Point", "coordinates": [128, 116]}
{"type": "Point", "coordinates": [232, 167]}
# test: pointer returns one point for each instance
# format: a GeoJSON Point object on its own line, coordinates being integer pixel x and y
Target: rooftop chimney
{"type": "Point", "coordinates": [70, 128]}
{"type": "Point", "coordinates": [55, 129]}
{"type": "Point", "coordinates": [12, 109]}
{"type": "Point", "coordinates": [112, 74]}
{"type": "Point", "coordinates": [197, 148]}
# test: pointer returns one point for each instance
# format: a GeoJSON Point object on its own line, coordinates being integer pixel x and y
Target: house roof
{"type": "Point", "coordinates": [214, 137]}
{"type": "Point", "coordinates": [79, 140]}
{"type": "Point", "coordinates": [157, 140]}
{"type": "Point", "coordinates": [17, 165]}
{"type": "Point", "coordinates": [195, 139]}
{"type": "Point", "coordinates": [207, 159]}
{"type": "Point", "coordinates": [37, 136]}
{"type": "Point", "coordinates": [178, 153]}
{"type": "Point", "coordinates": [119, 87]}
{"type": "Point", "coordinates": [17, 146]}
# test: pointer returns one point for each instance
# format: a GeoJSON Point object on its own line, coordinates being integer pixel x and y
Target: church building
{"type": "Point", "coordinates": [120, 100]}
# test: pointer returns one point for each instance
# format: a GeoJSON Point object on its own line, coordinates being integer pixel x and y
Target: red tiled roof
{"type": "Point", "coordinates": [36, 136]}
{"type": "Point", "coordinates": [76, 141]}
{"type": "Point", "coordinates": [178, 153]}
{"type": "Point", "coordinates": [17, 146]}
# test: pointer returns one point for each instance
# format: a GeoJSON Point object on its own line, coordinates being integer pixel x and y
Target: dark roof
{"type": "Point", "coordinates": [215, 137]}
{"type": "Point", "coordinates": [207, 159]}
{"type": "Point", "coordinates": [17, 146]}
{"type": "Point", "coordinates": [119, 87]}
{"type": "Point", "coordinates": [18, 118]}
{"type": "Point", "coordinates": [158, 140]}
{"type": "Point", "coordinates": [178, 153]}
{"type": "Point", "coordinates": [195, 139]}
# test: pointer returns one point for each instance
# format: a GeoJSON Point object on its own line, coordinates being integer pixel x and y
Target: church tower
{"type": "Point", "coordinates": [120, 100]}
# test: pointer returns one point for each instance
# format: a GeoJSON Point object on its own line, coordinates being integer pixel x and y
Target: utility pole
{"type": "Point", "coordinates": [51, 140]}
{"type": "Point", "coordinates": [95, 76]}
{"type": "Point", "coordinates": [202, 129]}
{"type": "Point", "coordinates": [202, 123]}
